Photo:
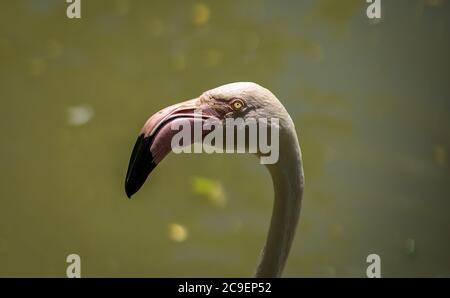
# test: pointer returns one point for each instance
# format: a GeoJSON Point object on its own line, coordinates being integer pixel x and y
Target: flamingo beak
{"type": "Point", "coordinates": [154, 140]}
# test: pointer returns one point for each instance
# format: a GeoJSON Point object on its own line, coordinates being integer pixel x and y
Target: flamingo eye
{"type": "Point", "coordinates": [237, 105]}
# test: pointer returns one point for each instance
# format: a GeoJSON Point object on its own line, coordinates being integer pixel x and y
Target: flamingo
{"type": "Point", "coordinates": [246, 100]}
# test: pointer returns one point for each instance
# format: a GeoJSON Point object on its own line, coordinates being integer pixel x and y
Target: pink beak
{"type": "Point", "coordinates": [154, 141]}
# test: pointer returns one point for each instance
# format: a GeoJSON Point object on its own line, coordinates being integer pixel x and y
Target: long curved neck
{"type": "Point", "coordinates": [288, 180]}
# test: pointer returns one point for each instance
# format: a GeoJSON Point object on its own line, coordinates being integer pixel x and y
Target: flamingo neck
{"type": "Point", "coordinates": [288, 180]}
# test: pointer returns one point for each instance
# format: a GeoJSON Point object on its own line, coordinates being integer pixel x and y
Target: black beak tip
{"type": "Point", "coordinates": [128, 192]}
{"type": "Point", "coordinates": [140, 166]}
{"type": "Point", "coordinates": [132, 186]}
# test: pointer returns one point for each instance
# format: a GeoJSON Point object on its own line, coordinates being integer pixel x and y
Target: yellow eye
{"type": "Point", "coordinates": [237, 105]}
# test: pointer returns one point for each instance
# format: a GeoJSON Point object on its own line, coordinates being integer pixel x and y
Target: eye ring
{"type": "Point", "coordinates": [237, 104]}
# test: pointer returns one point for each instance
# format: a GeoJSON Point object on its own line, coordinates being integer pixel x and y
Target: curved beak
{"type": "Point", "coordinates": [155, 138]}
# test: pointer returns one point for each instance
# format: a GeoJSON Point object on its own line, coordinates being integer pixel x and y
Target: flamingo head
{"type": "Point", "coordinates": [242, 99]}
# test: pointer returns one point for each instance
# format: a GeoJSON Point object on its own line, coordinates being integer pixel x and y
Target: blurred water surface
{"type": "Point", "coordinates": [370, 101]}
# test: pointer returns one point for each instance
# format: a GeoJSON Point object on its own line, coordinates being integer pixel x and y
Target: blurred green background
{"type": "Point", "coordinates": [370, 100]}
